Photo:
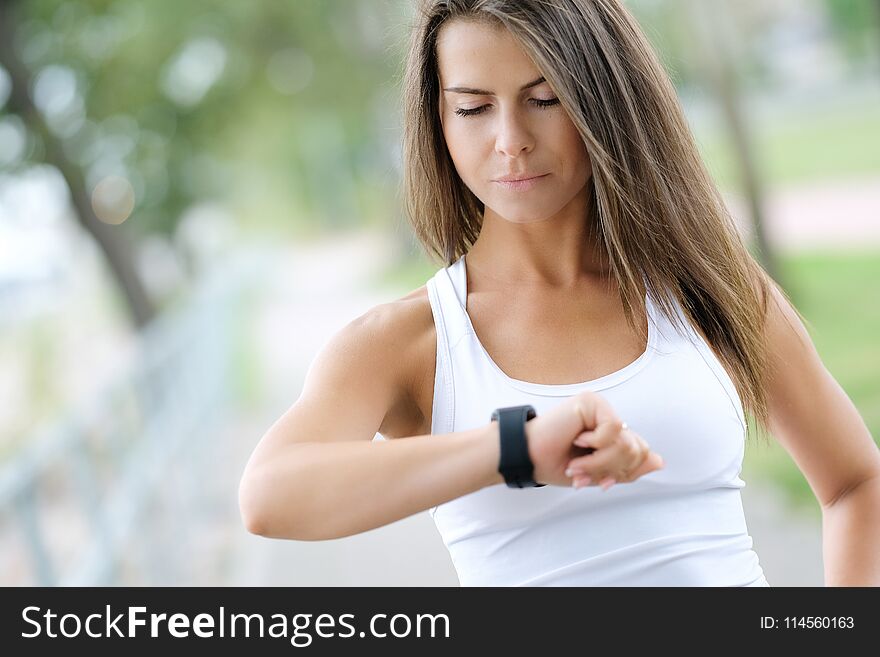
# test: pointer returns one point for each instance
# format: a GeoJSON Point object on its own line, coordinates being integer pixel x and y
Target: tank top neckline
{"type": "Point", "coordinates": [553, 389]}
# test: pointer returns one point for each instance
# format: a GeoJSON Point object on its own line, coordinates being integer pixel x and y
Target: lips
{"type": "Point", "coordinates": [520, 177]}
{"type": "Point", "coordinates": [521, 184]}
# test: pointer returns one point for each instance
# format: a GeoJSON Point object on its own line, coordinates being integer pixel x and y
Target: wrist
{"type": "Point", "coordinates": [491, 437]}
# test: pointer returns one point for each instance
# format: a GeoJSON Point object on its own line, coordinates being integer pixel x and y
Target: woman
{"type": "Point", "coordinates": [593, 273]}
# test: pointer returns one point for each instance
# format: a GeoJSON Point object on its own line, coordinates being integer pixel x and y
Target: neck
{"type": "Point", "coordinates": [555, 252]}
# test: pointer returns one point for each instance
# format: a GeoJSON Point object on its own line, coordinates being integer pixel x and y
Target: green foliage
{"type": "Point", "coordinates": [855, 24]}
{"type": "Point", "coordinates": [287, 156]}
{"type": "Point", "coordinates": [258, 135]}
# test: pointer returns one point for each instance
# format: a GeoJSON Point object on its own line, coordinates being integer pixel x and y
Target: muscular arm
{"type": "Point", "coordinates": [820, 427]}
{"type": "Point", "coordinates": [317, 491]}
{"type": "Point", "coordinates": [317, 474]}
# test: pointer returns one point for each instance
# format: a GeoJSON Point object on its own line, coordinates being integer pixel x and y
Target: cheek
{"type": "Point", "coordinates": [571, 143]}
{"type": "Point", "coordinates": [576, 155]}
{"type": "Point", "coordinates": [464, 148]}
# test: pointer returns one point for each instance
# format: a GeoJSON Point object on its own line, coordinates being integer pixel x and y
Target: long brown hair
{"type": "Point", "coordinates": [659, 214]}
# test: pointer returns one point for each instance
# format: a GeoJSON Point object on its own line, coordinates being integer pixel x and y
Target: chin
{"type": "Point", "coordinates": [522, 213]}
{"type": "Point", "coordinates": [522, 219]}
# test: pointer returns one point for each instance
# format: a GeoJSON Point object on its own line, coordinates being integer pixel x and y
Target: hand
{"type": "Point", "coordinates": [583, 441]}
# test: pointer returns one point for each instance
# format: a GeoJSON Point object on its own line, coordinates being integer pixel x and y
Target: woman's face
{"type": "Point", "coordinates": [497, 124]}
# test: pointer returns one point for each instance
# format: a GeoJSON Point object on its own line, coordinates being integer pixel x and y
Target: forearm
{"type": "Point", "coordinates": [319, 491]}
{"type": "Point", "coordinates": [851, 537]}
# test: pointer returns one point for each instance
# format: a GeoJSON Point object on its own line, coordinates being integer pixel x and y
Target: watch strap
{"type": "Point", "coordinates": [515, 464]}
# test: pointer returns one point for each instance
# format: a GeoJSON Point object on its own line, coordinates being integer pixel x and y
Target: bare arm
{"type": "Point", "coordinates": [318, 491]}
{"type": "Point", "coordinates": [317, 474]}
{"type": "Point", "coordinates": [820, 427]}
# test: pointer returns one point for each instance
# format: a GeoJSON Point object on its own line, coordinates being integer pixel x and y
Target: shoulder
{"type": "Point", "coordinates": [795, 370]}
{"type": "Point", "coordinates": [358, 383]}
{"type": "Point", "coordinates": [785, 328]}
{"type": "Point", "coordinates": [393, 328]}
{"type": "Point", "coordinates": [395, 341]}
{"type": "Point", "coordinates": [792, 358]}
{"type": "Point", "coordinates": [401, 322]}
{"type": "Point", "coordinates": [416, 340]}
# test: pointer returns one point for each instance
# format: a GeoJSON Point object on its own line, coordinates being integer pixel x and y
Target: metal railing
{"type": "Point", "coordinates": [75, 504]}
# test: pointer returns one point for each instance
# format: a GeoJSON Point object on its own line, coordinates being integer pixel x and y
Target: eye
{"type": "Point", "coordinates": [470, 112]}
{"type": "Point", "coordinates": [539, 102]}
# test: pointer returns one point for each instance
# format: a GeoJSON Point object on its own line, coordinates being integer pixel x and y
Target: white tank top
{"type": "Point", "coordinates": [680, 526]}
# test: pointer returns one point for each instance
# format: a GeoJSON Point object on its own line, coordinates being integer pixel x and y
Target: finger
{"type": "Point", "coordinates": [602, 436]}
{"type": "Point", "coordinates": [634, 455]}
{"type": "Point", "coordinates": [604, 480]}
{"type": "Point", "coordinates": [634, 451]}
{"type": "Point", "coordinates": [603, 410]}
{"type": "Point", "coordinates": [586, 440]}
{"type": "Point", "coordinates": [606, 463]}
{"type": "Point", "coordinates": [637, 450]}
{"type": "Point", "coordinates": [651, 463]}
{"type": "Point", "coordinates": [606, 483]}
{"type": "Point", "coordinates": [601, 461]}
{"type": "Point", "coordinates": [593, 410]}
{"type": "Point", "coordinates": [581, 481]}
{"type": "Point", "coordinates": [627, 443]}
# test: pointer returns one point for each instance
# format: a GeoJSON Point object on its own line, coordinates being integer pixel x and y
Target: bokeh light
{"type": "Point", "coordinates": [113, 200]}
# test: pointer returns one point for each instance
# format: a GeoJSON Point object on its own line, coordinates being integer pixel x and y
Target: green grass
{"type": "Point", "coordinates": [839, 295]}
{"type": "Point", "coordinates": [831, 143]}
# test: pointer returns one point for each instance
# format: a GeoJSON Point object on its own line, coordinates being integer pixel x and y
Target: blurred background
{"type": "Point", "coordinates": [195, 196]}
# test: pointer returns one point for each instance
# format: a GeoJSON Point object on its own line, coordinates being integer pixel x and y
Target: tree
{"type": "Point", "coordinates": [282, 113]}
{"type": "Point", "coordinates": [720, 72]}
{"type": "Point", "coordinates": [113, 243]}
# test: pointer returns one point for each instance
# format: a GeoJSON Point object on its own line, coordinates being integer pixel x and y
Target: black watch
{"type": "Point", "coordinates": [515, 463]}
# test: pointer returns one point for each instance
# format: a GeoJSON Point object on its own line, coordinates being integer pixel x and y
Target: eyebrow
{"type": "Point", "coordinates": [483, 92]}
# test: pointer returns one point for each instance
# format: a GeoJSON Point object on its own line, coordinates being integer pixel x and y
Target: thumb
{"type": "Point", "coordinates": [651, 463]}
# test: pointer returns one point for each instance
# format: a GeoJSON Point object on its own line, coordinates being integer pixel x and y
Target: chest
{"type": "Point", "coordinates": [545, 340]}
{"type": "Point", "coordinates": [556, 338]}
{"type": "Point", "coordinates": [542, 338]}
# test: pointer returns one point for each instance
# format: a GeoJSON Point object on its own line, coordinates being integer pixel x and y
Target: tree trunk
{"type": "Point", "coordinates": [716, 57]}
{"type": "Point", "coordinates": [111, 239]}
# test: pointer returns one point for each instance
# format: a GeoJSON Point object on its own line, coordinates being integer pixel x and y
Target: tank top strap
{"type": "Point", "coordinates": [450, 285]}
{"type": "Point", "coordinates": [449, 325]}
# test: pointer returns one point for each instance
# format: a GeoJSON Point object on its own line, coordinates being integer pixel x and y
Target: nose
{"type": "Point", "coordinates": [514, 136]}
